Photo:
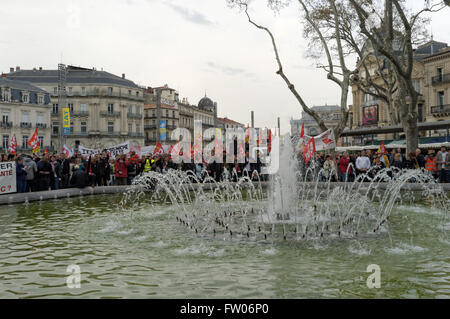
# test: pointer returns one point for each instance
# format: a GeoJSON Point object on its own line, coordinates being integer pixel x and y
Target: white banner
{"type": "Point", "coordinates": [8, 178]}
{"type": "Point", "coordinates": [324, 141]}
{"type": "Point", "coordinates": [123, 148]}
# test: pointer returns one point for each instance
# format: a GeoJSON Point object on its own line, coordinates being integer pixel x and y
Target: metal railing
{"type": "Point", "coordinates": [26, 125]}
{"type": "Point", "coordinates": [81, 113]}
{"type": "Point", "coordinates": [109, 114]}
{"type": "Point", "coordinates": [6, 124]}
{"type": "Point", "coordinates": [41, 125]}
{"type": "Point", "coordinates": [443, 78]}
{"type": "Point", "coordinates": [134, 116]}
{"type": "Point", "coordinates": [149, 126]}
{"type": "Point", "coordinates": [135, 134]}
{"type": "Point", "coordinates": [440, 109]}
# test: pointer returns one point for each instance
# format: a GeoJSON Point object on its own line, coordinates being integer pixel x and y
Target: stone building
{"type": "Point", "coordinates": [225, 123]}
{"type": "Point", "coordinates": [161, 114]}
{"type": "Point", "coordinates": [331, 114]}
{"type": "Point", "coordinates": [105, 109]}
{"type": "Point", "coordinates": [431, 64]}
{"type": "Point", "coordinates": [437, 88]}
{"type": "Point", "coordinates": [23, 108]}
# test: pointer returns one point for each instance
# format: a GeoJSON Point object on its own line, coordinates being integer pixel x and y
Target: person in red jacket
{"type": "Point", "coordinates": [121, 165]}
{"type": "Point", "coordinates": [343, 166]}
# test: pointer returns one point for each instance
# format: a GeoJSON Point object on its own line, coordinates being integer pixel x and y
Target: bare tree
{"type": "Point", "coordinates": [336, 66]}
{"type": "Point", "coordinates": [399, 53]}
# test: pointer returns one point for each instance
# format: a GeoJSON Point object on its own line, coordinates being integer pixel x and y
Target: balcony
{"type": "Point", "coordinates": [149, 126]}
{"type": "Point", "coordinates": [135, 134]}
{"type": "Point", "coordinates": [80, 113]}
{"type": "Point", "coordinates": [41, 125]}
{"type": "Point", "coordinates": [26, 125]}
{"type": "Point", "coordinates": [134, 116]}
{"type": "Point", "coordinates": [103, 94]}
{"type": "Point", "coordinates": [440, 110]}
{"type": "Point", "coordinates": [443, 78]}
{"type": "Point", "coordinates": [109, 114]}
{"type": "Point", "coordinates": [108, 133]}
{"type": "Point", "coordinates": [6, 124]}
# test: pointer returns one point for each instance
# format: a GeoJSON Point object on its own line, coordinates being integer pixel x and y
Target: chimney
{"type": "Point", "coordinates": [123, 75]}
{"type": "Point", "coordinates": [40, 68]}
{"type": "Point", "coordinates": [17, 68]}
{"type": "Point", "coordinates": [3, 75]}
{"type": "Point", "coordinates": [11, 70]}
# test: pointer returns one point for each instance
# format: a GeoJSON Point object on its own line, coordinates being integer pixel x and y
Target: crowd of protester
{"type": "Point", "coordinates": [56, 171]}
{"type": "Point", "coordinates": [346, 167]}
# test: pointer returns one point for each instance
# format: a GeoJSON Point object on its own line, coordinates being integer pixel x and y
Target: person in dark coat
{"type": "Point", "coordinates": [79, 178]}
{"type": "Point", "coordinates": [45, 172]}
{"type": "Point", "coordinates": [21, 176]}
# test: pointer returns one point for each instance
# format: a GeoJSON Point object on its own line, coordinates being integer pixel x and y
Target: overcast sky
{"type": "Point", "coordinates": [194, 46]}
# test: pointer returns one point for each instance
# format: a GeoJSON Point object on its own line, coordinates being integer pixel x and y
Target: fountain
{"type": "Point", "coordinates": [294, 205]}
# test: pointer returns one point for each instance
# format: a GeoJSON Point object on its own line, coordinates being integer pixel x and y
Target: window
{"type": "Point", "coordinates": [130, 109]}
{"type": "Point", "coordinates": [40, 118]}
{"type": "Point", "coordinates": [25, 141]}
{"type": "Point", "coordinates": [83, 108]}
{"type": "Point", "coordinates": [70, 90]}
{"type": "Point", "coordinates": [153, 122]}
{"type": "Point", "coordinates": [25, 117]}
{"type": "Point", "coordinates": [153, 113]}
{"type": "Point", "coordinates": [138, 109]}
{"type": "Point", "coordinates": [110, 127]}
{"type": "Point", "coordinates": [138, 128]}
{"type": "Point", "coordinates": [110, 90]}
{"type": "Point", "coordinates": [440, 98]}
{"type": "Point", "coordinates": [55, 91]}
{"type": "Point", "coordinates": [5, 117]}
{"type": "Point", "coordinates": [72, 123]}
{"type": "Point", "coordinates": [137, 94]}
{"type": "Point", "coordinates": [83, 127]}
{"type": "Point", "coordinates": [167, 113]}
{"type": "Point", "coordinates": [83, 90]}
{"type": "Point", "coordinates": [40, 99]}
{"type": "Point", "coordinates": [25, 97]}
{"type": "Point", "coordinates": [55, 127]}
{"type": "Point", "coordinates": [55, 108]}
{"type": "Point", "coordinates": [416, 85]}
{"type": "Point", "coordinates": [41, 140]}
{"type": "Point", "coordinates": [6, 95]}
{"type": "Point", "coordinates": [420, 112]}
{"type": "Point", "coordinates": [110, 108]}
{"type": "Point", "coordinates": [5, 141]}
{"type": "Point", "coordinates": [173, 114]}
{"type": "Point", "coordinates": [440, 73]}
{"type": "Point", "coordinates": [70, 106]}
{"type": "Point", "coordinates": [129, 92]}
{"type": "Point", "coordinates": [130, 127]}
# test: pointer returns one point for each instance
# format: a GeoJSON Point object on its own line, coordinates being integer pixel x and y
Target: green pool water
{"type": "Point", "coordinates": [147, 254]}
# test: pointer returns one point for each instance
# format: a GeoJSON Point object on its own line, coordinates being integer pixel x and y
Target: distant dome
{"type": "Point", "coordinates": [206, 103]}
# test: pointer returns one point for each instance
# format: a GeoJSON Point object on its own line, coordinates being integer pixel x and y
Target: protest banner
{"type": "Point", "coordinates": [113, 151]}
{"type": "Point", "coordinates": [8, 178]}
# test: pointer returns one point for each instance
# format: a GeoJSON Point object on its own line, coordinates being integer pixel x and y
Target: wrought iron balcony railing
{"type": "Point", "coordinates": [443, 78]}
{"type": "Point", "coordinates": [440, 109]}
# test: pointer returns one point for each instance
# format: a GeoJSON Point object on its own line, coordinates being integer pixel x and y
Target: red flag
{"type": "Point", "coordinates": [13, 145]}
{"type": "Point", "coordinates": [382, 148]}
{"type": "Point", "coordinates": [158, 149]}
{"type": "Point", "coordinates": [45, 152]}
{"type": "Point", "coordinates": [302, 133]}
{"type": "Point", "coordinates": [34, 142]}
{"type": "Point", "coordinates": [269, 141]}
{"type": "Point", "coordinates": [309, 150]}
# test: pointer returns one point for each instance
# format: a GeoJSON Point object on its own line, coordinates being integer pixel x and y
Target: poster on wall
{"type": "Point", "coordinates": [370, 115]}
{"type": "Point", "coordinates": [8, 178]}
{"type": "Point", "coordinates": [66, 121]}
{"type": "Point", "coordinates": [162, 130]}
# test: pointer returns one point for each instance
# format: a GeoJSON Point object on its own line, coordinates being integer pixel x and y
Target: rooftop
{"type": "Point", "coordinates": [75, 75]}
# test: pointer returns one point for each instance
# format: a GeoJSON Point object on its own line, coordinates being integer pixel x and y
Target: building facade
{"type": "Point", "coordinates": [331, 114]}
{"type": "Point", "coordinates": [431, 65]}
{"type": "Point", "coordinates": [437, 88]}
{"type": "Point", "coordinates": [105, 109]}
{"type": "Point", "coordinates": [23, 108]}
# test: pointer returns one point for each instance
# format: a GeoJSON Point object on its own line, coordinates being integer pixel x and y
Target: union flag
{"type": "Point", "coordinates": [13, 145]}
{"type": "Point", "coordinates": [34, 142]}
{"type": "Point", "coordinates": [309, 150]}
